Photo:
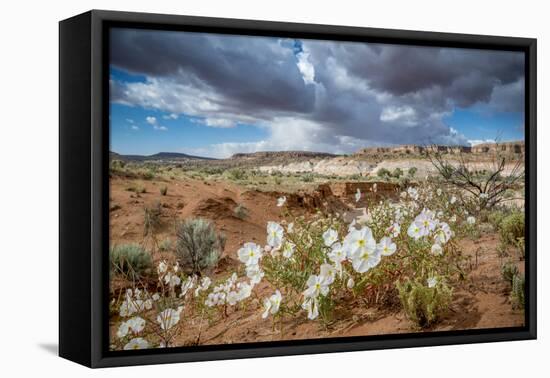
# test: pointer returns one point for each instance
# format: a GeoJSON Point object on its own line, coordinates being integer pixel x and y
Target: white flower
{"type": "Point", "coordinates": [437, 250]}
{"type": "Point", "coordinates": [403, 195]}
{"type": "Point", "coordinates": [471, 220]}
{"type": "Point", "coordinates": [171, 280]}
{"type": "Point", "coordinates": [137, 343]}
{"type": "Point", "coordinates": [232, 298]}
{"type": "Point", "coordinates": [250, 254]}
{"type": "Point", "coordinates": [358, 240]}
{"type": "Point", "coordinates": [130, 306]}
{"type": "Point", "coordinates": [452, 219]}
{"type": "Point", "coordinates": [483, 196]}
{"type": "Point", "coordinates": [414, 230]}
{"type": "Point", "coordinates": [244, 290]}
{"type": "Point", "coordinates": [439, 191]}
{"type": "Point", "coordinates": [358, 195]}
{"type": "Point", "coordinates": [432, 281]}
{"type": "Point", "coordinates": [123, 329]}
{"type": "Point", "coordinates": [426, 221]}
{"type": "Point", "coordinates": [169, 317]}
{"type": "Point", "coordinates": [452, 200]}
{"type": "Point", "coordinates": [162, 267]}
{"type": "Point", "coordinates": [203, 286]}
{"type": "Point", "coordinates": [386, 247]}
{"type": "Point", "coordinates": [327, 273]}
{"type": "Point", "coordinates": [310, 305]}
{"type": "Point", "coordinates": [413, 193]}
{"type": "Point", "coordinates": [361, 248]}
{"type": "Point", "coordinates": [156, 297]}
{"type": "Point", "coordinates": [374, 187]}
{"type": "Point", "coordinates": [443, 233]}
{"type": "Point", "coordinates": [274, 234]}
{"type": "Point", "coordinates": [136, 324]}
{"type": "Point", "coordinates": [330, 237]}
{"type": "Point", "coordinates": [281, 201]}
{"type": "Point", "coordinates": [290, 228]}
{"type": "Point", "coordinates": [316, 285]}
{"type": "Point", "coordinates": [351, 283]}
{"type": "Point", "coordinates": [187, 285]}
{"type": "Point", "coordinates": [272, 304]}
{"type": "Point", "coordinates": [288, 249]}
{"type": "Point", "coordinates": [337, 253]}
{"type": "Point", "coordinates": [254, 273]}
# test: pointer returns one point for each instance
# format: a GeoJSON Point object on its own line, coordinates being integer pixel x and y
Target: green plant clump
{"type": "Point", "coordinates": [512, 228]}
{"type": "Point", "coordinates": [412, 171]}
{"type": "Point", "coordinates": [397, 172]}
{"type": "Point", "coordinates": [509, 270]}
{"type": "Point", "coordinates": [131, 260]}
{"type": "Point", "coordinates": [198, 245]}
{"type": "Point", "coordinates": [424, 305]}
{"type": "Point", "coordinates": [151, 219]}
{"type": "Point", "coordinates": [241, 212]}
{"type": "Point", "coordinates": [518, 291]}
{"type": "Point", "coordinates": [383, 173]}
{"type": "Point", "coordinates": [237, 174]}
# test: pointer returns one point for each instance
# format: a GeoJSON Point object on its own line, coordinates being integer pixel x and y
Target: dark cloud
{"type": "Point", "coordinates": [249, 72]}
{"type": "Point", "coordinates": [367, 93]}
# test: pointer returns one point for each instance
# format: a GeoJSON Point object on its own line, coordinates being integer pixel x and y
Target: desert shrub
{"type": "Point", "coordinates": [237, 174]}
{"type": "Point", "coordinates": [412, 171]}
{"type": "Point", "coordinates": [163, 190]}
{"type": "Point", "coordinates": [212, 171]}
{"type": "Point", "coordinates": [139, 189]}
{"type": "Point", "coordinates": [512, 228]}
{"type": "Point", "coordinates": [131, 260]}
{"type": "Point", "coordinates": [488, 186]}
{"type": "Point", "coordinates": [147, 175]}
{"type": "Point", "coordinates": [240, 211]}
{"type": "Point", "coordinates": [397, 172]}
{"type": "Point", "coordinates": [518, 291]}
{"type": "Point", "coordinates": [278, 180]}
{"type": "Point", "coordinates": [509, 270]}
{"type": "Point", "coordinates": [404, 182]}
{"type": "Point", "coordinates": [308, 177]}
{"type": "Point", "coordinates": [383, 173]}
{"type": "Point", "coordinates": [165, 245]}
{"type": "Point", "coordinates": [424, 305]}
{"type": "Point", "coordinates": [151, 219]}
{"type": "Point", "coordinates": [495, 218]}
{"type": "Point", "coordinates": [198, 245]}
{"type": "Point", "coordinates": [276, 174]}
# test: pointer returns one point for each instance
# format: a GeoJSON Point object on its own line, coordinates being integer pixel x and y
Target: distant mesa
{"type": "Point", "coordinates": [277, 157]}
{"type": "Point", "coordinates": [282, 154]}
{"type": "Point", "coordinates": [517, 147]}
{"type": "Point", "coordinates": [161, 156]}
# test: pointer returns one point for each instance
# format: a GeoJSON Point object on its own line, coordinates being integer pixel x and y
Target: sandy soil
{"type": "Point", "coordinates": [481, 302]}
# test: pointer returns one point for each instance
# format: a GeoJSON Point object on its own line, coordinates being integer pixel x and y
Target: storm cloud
{"type": "Point", "coordinates": [312, 94]}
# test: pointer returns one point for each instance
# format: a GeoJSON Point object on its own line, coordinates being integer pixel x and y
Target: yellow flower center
{"type": "Point", "coordinates": [361, 243]}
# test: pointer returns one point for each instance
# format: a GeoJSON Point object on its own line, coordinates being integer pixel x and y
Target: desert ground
{"type": "Point", "coordinates": [239, 196]}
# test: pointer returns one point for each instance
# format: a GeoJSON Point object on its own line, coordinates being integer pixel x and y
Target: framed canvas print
{"type": "Point", "coordinates": [234, 188]}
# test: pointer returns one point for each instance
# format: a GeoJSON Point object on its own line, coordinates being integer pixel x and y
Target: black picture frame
{"type": "Point", "coordinates": [84, 188]}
